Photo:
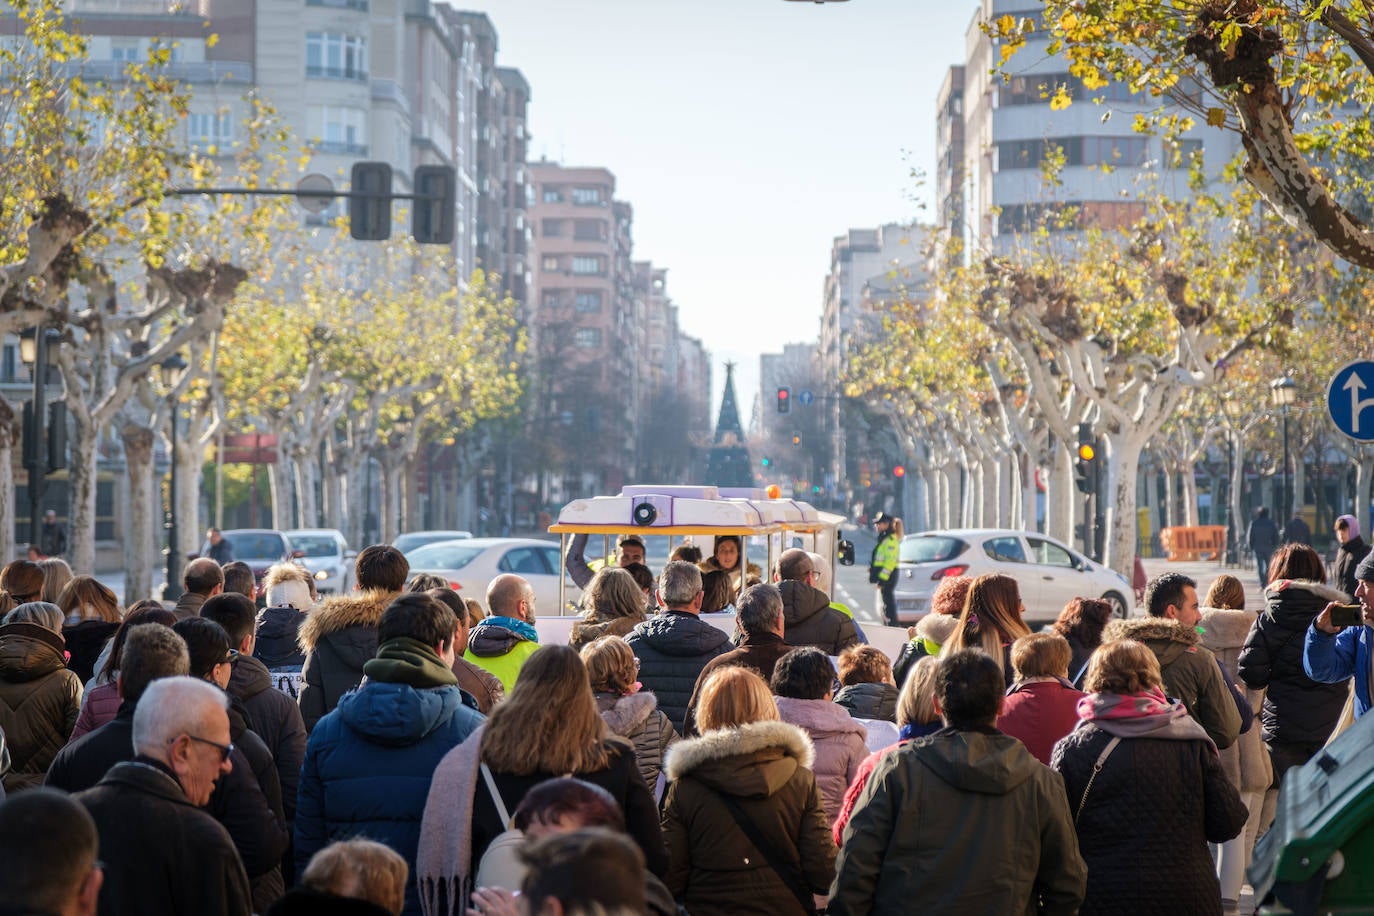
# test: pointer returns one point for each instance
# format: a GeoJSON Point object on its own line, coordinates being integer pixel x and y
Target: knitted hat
{"type": "Point", "coordinates": [1364, 572]}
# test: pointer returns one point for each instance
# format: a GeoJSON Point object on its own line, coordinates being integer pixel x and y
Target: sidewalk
{"type": "Point", "coordinates": [1204, 572]}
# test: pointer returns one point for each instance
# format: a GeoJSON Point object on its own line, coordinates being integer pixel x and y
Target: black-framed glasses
{"type": "Point", "coordinates": [225, 750]}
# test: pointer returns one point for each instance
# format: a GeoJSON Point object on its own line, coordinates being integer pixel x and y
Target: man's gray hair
{"type": "Point", "coordinates": [173, 706]}
{"type": "Point", "coordinates": [760, 609]}
{"type": "Point", "coordinates": [680, 583]}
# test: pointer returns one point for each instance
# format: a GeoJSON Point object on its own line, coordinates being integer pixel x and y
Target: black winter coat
{"type": "Point", "coordinates": [1347, 558]}
{"type": "Point", "coordinates": [1150, 814]}
{"type": "Point", "coordinates": [339, 637]}
{"type": "Point", "coordinates": [277, 632]}
{"type": "Point", "coordinates": [163, 856]}
{"type": "Point", "coordinates": [809, 620]}
{"type": "Point", "coordinates": [869, 701]}
{"type": "Point", "coordinates": [1297, 709]}
{"type": "Point", "coordinates": [265, 833]}
{"type": "Point", "coordinates": [672, 648]}
{"type": "Point", "coordinates": [85, 640]}
{"type": "Point", "coordinates": [277, 720]}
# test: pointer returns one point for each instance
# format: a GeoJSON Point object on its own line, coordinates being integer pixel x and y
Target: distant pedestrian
{"type": "Point", "coordinates": [1081, 623]}
{"type": "Point", "coordinates": [1263, 538]}
{"type": "Point", "coordinates": [967, 793]}
{"type": "Point", "coordinates": [991, 621]}
{"type": "Point", "coordinates": [39, 697]}
{"type": "Point", "coordinates": [1147, 791]}
{"type": "Point", "coordinates": [882, 566]}
{"type": "Point", "coordinates": [1297, 531]}
{"type": "Point", "coordinates": [52, 536]}
{"type": "Point", "coordinates": [163, 855]}
{"type": "Point", "coordinates": [221, 551]}
{"type": "Point", "coordinates": [50, 849]}
{"type": "Point", "coordinates": [1041, 706]}
{"type": "Point", "coordinates": [1351, 551]}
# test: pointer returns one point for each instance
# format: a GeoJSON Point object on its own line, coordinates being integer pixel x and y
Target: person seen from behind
{"type": "Point", "coordinates": [803, 688]}
{"type": "Point", "coordinates": [1081, 623]}
{"type": "Point", "coordinates": [479, 683]}
{"type": "Point", "coordinates": [934, 629]}
{"type": "Point", "coordinates": [56, 575]}
{"type": "Point", "coordinates": [1147, 790]}
{"type": "Point", "coordinates": [39, 697]}
{"type": "Point", "coordinates": [20, 583]}
{"type": "Point", "coordinates": [503, 642]}
{"type": "Point", "coordinates": [49, 848]}
{"type": "Point", "coordinates": [101, 699]}
{"type": "Point", "coordinates": [355, 877]}
{"type": "Point", "coordinates": [629, 711]}
{"type": "Point", "coordinates": [760, 625]}
{"type": "Point", "coordinates": [991, 621]}
{"type": "Point", "coordinates": [1041, 706]}
{"type": "Point", "coordinates": [869, 691]}
{"type": "Point", "coordinates": [882, 566]}
{"type": "Point", "coordinates": [91, 615]}
{"type": "Point", "coordinates": [614, 606]}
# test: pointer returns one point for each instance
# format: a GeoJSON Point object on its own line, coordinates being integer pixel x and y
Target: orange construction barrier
{"type": "Point", "coordinates": [1197, 542]}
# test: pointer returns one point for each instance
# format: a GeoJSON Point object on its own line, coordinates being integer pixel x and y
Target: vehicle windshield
{"type": "Point", "coordinates": [408, 542]}
{"type": "Point", "coordinates": [442, 556]}
{"type": "Point", "coordinates": [256, 546]}
{"type": "Point", "coordinates": [315, 545]}
{"type": "Point", "coordinates": [930, 549]}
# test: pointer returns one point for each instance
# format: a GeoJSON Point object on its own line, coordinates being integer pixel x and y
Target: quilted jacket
{"type": "Point", "coordinates": [637, 718]}
{"type": "Point", "coordinates": [338, 638]}
{"type": "Point", "coordinates": [39, 701]}
{"type": "Point", "coordinates": [672, 648]}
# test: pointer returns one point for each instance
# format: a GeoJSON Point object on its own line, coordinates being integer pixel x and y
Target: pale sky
{"type": "Point", "coordinates": [746, 134]}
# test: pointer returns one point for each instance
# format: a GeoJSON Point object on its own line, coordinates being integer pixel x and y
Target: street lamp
{"type": "Point", "coordinates": [170, 370]}
{"type": "Point", "coordinates": [1284, 391]}
{"type": "Point", "coordinates": [33, 351]}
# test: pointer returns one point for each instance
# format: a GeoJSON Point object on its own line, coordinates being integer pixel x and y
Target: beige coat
{"type": "Point", "coordinates": [1247, 761]}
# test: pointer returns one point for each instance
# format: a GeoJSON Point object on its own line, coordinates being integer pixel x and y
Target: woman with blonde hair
{"type": "Point", "coordinates": [548, 726]}
{"type": "Point", "coordinates": [350, 878]}
{"type": "Point", "coordinates": [743, 818]}
{"type": "Point", "coordinates": [56, 574]}
{"type": "Point", "coordinates": [629, 712]}
{"type": "Point", "coordinates": [991, 621]}
{"type": "Point", "coordinates": [916, 718]}
{"type": "Point", "coordinates": [93, 615]}
{"type": "Point", "coordinates": [1147, 791]}
{"type": "Point", "coordinates": [614, 606]}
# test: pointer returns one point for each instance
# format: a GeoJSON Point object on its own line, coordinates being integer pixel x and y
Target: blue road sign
{"type": "Point", "coordinates": [806, 397]}
{"type": "Point", "coordinates": [1350, 400]}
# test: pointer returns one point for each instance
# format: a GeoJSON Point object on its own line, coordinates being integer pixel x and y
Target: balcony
{"type": "Point", "coordinates": [335, 73]}
{"type": "Point", "coordinates": [209, 71]}
{"type": "Point", "coordinates": [339, 147]}
{"type": "Point", "coordinates": [359, 5]}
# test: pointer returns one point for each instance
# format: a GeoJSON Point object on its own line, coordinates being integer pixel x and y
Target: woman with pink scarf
{"type": "Point", "coordinates": [1146, 790]}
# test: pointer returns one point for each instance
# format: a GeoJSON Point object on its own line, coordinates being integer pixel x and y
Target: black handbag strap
{"type": "Point", "coordinates": [790, 872]}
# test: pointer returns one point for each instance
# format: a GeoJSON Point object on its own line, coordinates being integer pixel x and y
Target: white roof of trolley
{"type": "Point", "coordinates": [683, 510]}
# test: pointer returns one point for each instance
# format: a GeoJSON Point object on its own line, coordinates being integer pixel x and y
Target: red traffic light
{"type": "Point", "coordinates": [899, 471]}
{"type": "Point", "coordinates": [783, 394]}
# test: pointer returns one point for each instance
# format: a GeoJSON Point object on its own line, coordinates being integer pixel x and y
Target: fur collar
{"type": "Point", "coordinates": [937, 628]}
{"type": "Point", "coordinates": [1226, 629]}
{"type": "Point", "coordinates": [1320, 589]}
{"type": "Point", "coordinates": [688, 754]}
{"type": "Point", "coordinates": [1142, 629]}
{"type": "Point", "coordinates": [626, 715]}
{"type": "Point", "coordinates": [339, 612]}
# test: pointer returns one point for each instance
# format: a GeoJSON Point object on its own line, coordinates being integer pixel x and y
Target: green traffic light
{"type": "Point", "coordinates": [766, 462]}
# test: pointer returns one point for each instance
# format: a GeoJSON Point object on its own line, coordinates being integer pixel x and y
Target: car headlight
{"type": "Point", "coordinates": [322, 575]}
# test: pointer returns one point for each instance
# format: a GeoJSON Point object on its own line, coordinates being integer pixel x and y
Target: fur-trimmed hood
{"type": "Point", "coordinates": [1225, 629]}
{"type": "Point", "coordinates": [1300, 588]}
{"type": "Point", "coordinates": [626, 715]}
{"type": "Point", "coordinates": [752, 761]}
{"type": "Point", "coordinates": [339, 612]}
{"type": "Point", "coordinates": [937, 628]}
{"type": "Point", "coordinates": [1145, 629]}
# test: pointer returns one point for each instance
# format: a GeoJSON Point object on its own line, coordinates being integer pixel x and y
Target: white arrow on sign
{"type": "Point", "coordinates": [1355, 385]}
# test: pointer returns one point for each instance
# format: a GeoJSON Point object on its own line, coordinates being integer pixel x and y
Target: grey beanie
{"type": "Point", "coordinates": [1364, 572]}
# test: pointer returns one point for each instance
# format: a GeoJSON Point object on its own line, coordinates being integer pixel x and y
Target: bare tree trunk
{"type": "Point", "coordinates": [1170, 496]}
{"type": "Point", "coordinates": [7, 440]}
{"type": "Point", "coordinates": [392, 470]}
{"type": "Point", "coordinates": [81, 483]}
{"type": "Point", "coordinates": [140, 538]}
{"type": "Point", "coordinates": [1061, 491]}
{"type": "Point", "coordinates": [990, 495]}
{"type": "Point", "coordinates": [279, 483]}
{"type": "Point", "coordinates": [1188, 475]}
{"type": "Point", "coordinates": [1299, 483]}
{"type": "Point", "coordinates": [1122, 466]}
{"type": "Point", "coordinates": [189, 467]}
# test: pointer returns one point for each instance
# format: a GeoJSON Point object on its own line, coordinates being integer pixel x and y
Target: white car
{"type": "Point", "coordinates": [470, 564]}
{"type": "Point", "coordinates": [1049, 574]}
{"type": "Point", "coordinates": [325, 553]}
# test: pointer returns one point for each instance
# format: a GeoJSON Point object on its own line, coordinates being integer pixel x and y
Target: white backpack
{"type": "Point", "coordinates": [501, 865]}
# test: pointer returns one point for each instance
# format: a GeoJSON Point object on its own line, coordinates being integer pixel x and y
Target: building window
{"type": "Point", "coordinates": [1114, 151]}
{"type": "Point", "coordinates": [586, 197]}
{"type": "Point", "coordinates": [589, 230]}
{"type": "Point", "coordinates": [125, 50]}
{"type": "Point", "coordinates": [338, 129]}
{"type": "Point", "coordinates": [551, 228]}
{"type": "Point", "coordinates": [552, 194]}
{"type": "Point", "coordinates": [588, 338]}
{"type": "Point", "coordinates": [549, 262]}
{"type": "Point", "coordinates": [1179, 155]}
{"type": "Point", "coordinates": [207, 129]}
{"type": "Point", "coordinates": [589, 301]}
{"type": "Point", "coordinates": [587, 266]}
{"type": "Point", "coordinates": [550, 298]}
{"type": "Point", "coordinates": [336, 56]}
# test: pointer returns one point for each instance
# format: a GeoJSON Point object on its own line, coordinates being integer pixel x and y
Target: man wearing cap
{"type": "Point", "coordinates": [882, 566]}
{"type": "Point", "coordinates": [1330, 654]}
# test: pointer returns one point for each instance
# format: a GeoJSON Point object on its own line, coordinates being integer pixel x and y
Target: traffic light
{"type": "Point", "coordinates": [1085, 462]}
{"type": "Point", "coordinates": [432, 219]}
{"type": "Point", "coordinates": [765, 461]}
{"type": "Point", "coordinates": [899, 471]}
{"type": "Point", "coordinates": [369, 214]}
{"type": "Point", "coordinates": [796, 439]}
{"type": "Point", "coordinates": [785, 401]}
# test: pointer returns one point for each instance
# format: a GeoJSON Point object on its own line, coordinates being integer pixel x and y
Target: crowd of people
{"type": "Point", "coordinates": [402, 750]}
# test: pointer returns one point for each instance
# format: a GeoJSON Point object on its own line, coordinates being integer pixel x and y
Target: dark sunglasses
{"type": "Point", "coordinates": [224, 749]}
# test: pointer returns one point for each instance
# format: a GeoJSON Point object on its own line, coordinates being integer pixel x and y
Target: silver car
{"type": "Point", "coordinates": [1048, 573]}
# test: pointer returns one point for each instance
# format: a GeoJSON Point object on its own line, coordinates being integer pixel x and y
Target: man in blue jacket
{"type": "Point", "coordinates": [1331, 654]}
{"type": "Point", "coordinates": [369, 762]}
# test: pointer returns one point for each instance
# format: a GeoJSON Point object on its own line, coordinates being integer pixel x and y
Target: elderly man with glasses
{"type": "Point", "coordinates": [162, 853]}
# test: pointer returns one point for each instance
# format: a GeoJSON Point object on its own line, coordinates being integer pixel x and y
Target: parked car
{"type": "Point", "coordinates": [260, 548]}
{"type": "Point", "coordinates": [325, 553]}
{"type": "Point", "coordinates": [470, 564]}
{"type": "Point", "coordinates": [407, 542]}
{"type": "Point", "coordinates": [1048, 573]}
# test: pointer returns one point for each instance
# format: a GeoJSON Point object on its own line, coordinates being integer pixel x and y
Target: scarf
{"type": "Point", "coordinates": [443, 862]}
{"type": "Point", "coordinates": [1149, 714]}
{"type": "Point", "coordinates": [409, 661]}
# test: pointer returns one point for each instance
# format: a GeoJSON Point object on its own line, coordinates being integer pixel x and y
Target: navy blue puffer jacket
{"type": "Point", "coordinates": [368, 767]}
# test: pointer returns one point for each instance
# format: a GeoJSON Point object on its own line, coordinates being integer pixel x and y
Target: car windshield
{"type": "Point", "coordinates": [930, 549]}
{"type": "Point", "coordinates": [315, 545]}
{"type": "Point", "coordinates": [408, 542]}
{"type": "Point", "coordinates": [442, 556]}
{"type": "Point", "coordinates": [256, 546]}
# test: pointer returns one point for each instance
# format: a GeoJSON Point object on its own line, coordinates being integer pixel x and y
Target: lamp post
{"type": "Point", "coordinates": [33, 351]}
{"type": "Point", "coordinates": [1284, 392]}
{"type": "Point", "coordinates": [170, 370]}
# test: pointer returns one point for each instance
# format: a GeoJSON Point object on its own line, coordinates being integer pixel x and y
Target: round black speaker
{"type": "Point", "coordinates": [644, 514]}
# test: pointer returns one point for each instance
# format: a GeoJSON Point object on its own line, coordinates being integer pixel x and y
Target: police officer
{"type": "Point", "coordinates": [882, 567]}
